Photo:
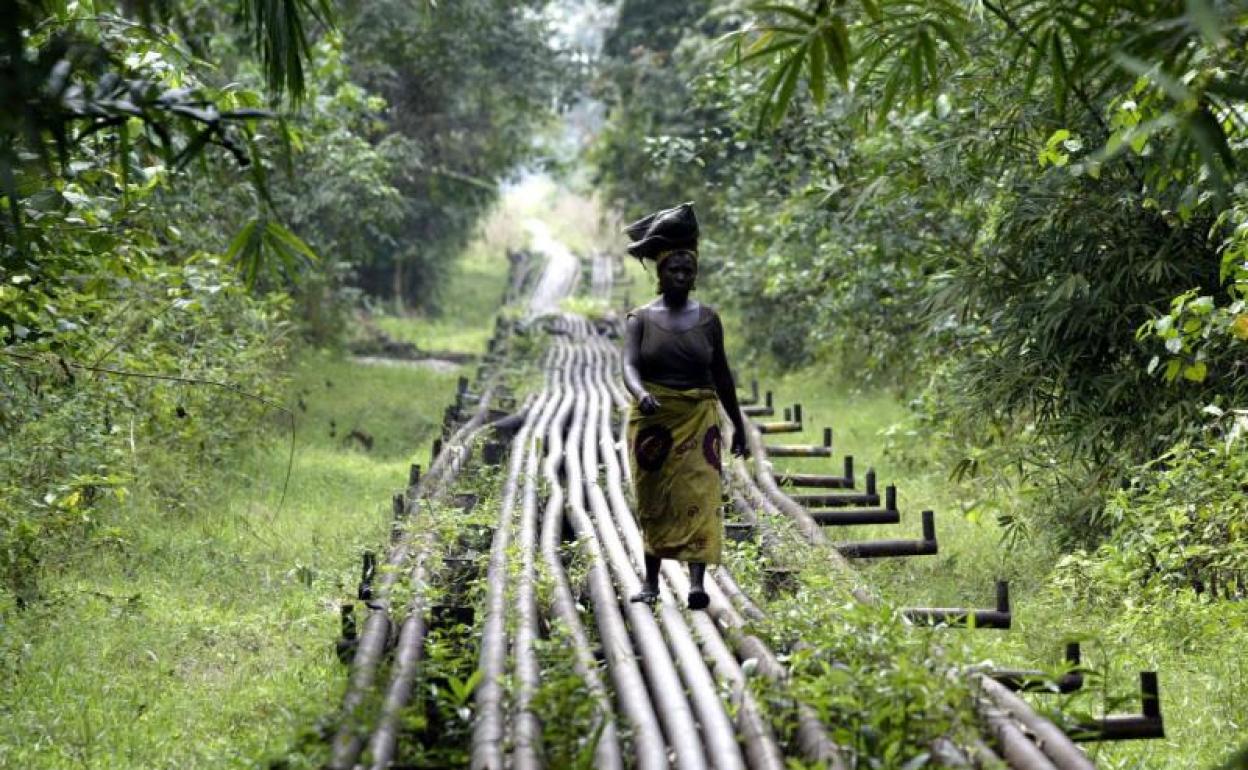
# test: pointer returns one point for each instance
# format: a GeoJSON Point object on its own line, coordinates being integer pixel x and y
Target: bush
{"type": "Point", "coordinates": [79, 439]}
{"type": "Point", "coordinates": [1182, 525]}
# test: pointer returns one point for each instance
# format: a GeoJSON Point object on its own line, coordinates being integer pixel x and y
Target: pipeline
{"type": "Point", "coordinates": [675, 710]}
{"type": "Point", "coordinates": [813, 741]}
{"type": "Point", "coordinates": [632, 696]}
{"type": "Point", "coordinates": [756, 733]}
{"type": "Point", "coordinates": [488, 731]}
{"type": "Point", "coordinates": [607, 753]}
{"type": "Point", "coordinates": [527, 727]}
{"type": "Point", "coordinates": [348, 742]}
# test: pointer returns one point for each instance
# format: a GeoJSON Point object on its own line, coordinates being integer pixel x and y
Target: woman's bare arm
{"type": "Point", "coordinates": [725, 387]}
{"type": "Point", "coordinates": [632, 377]}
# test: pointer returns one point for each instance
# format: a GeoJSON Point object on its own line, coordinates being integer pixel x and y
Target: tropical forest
{"type": "Point", "coordinates": [624, 384]}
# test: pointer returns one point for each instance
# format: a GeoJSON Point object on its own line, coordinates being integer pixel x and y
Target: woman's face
{"type": "Point", "coordinates": [677, 273]}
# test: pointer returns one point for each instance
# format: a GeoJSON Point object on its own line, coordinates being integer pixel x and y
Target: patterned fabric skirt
{"type": "Point", "coordinates": [675, 457]}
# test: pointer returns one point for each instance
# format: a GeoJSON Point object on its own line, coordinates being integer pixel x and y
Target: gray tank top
{"type": "Point", "coordinates": [676, 359]}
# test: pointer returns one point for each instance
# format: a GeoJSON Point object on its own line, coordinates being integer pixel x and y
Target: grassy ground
{"type": "Point", "coordinates": [205, 638]}
{"type": "Point", "coordinates": [1196, 646]}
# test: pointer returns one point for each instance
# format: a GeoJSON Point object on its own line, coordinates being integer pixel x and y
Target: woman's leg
{"type": "Point", "coordinates": [697, 574]}
{"type": "Point", "coordinates": [698, 600]}
{"type": "Point", "coordinates": [650, 584]}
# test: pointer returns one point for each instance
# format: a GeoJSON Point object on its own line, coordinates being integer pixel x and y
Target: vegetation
{"type": "Point", "coordinates": [191, 189]}
{"type": "Point", "coordinates": [1023, 220]}
{"type": "Point", "coordinates": [1000, 245]}
{"type": "Point", "coordinates": [1045, 250]}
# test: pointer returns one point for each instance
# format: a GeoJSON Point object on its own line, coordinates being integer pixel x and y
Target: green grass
{"type": "Point", "coordinates": [472, 297]}
{"type": "Point", "coordinates": [204, 637]}
{"type": "Point", "coordinates": [205, 640]}
{"type": "Point", "coordinates": [1196, 646]}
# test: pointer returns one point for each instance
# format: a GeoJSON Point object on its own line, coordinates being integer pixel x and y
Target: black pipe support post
{"type": "Point", "coordinates": [878, 549]}
{"type": "Point", "coordinates": [819, 480]}
{"type": "Point", "coordinates": [759, 410]}
{"type": "Point", "coordinates": [349, 638]}
{"type": "Point", "coordinates": [367, 572]}
{"type": "Point", "coordinates": [1041, 682]}
{"type": "Point", "coordinates": [399, 505]}
{"type": "Point", "coordinates": [785, 426]}
{"type": "Point", "coordinates": [845, 499]}
{"type": "Point", "coordinates": [740, 531]}
{"type": "Point", "coordinates": [1000, 617]}
{"type": "Point", "coordinates": [1129, 727]}
{"type": "Point", "coordinates": [804, 450]}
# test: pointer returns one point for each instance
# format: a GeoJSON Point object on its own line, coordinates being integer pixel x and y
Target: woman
{"type": "Point", "coordinates": [676, 369]}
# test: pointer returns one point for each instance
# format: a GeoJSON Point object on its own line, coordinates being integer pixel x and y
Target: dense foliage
{"type": "Point", "coordinates": [1025, 214]}
{"type": "Point", "coordinates": [185, 184]}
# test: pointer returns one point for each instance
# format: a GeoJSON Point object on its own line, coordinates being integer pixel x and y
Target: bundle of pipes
{"type": "Point", "coordinates": [408, 553]}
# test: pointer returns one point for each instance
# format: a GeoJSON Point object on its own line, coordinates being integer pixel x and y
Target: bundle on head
{"type": "Point", "coordinates": [667, 231]}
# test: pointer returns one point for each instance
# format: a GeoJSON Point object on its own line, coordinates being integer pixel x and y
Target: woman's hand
{"type": "Point", "coordinates": [738, 442]}
{"type": "Point", "coordinates": [648, 404]}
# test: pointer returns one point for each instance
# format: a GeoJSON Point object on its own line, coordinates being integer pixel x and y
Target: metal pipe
{"type": "Point", "coordinates": [526, 727]}
{"type": "Point", "coordinates": [816, 480]}
{"type": "Point", "coordinates": [409, 654]}
{"type": "Point", "coordinates": [1042, 682]}
{"type": "Point", "coordinates": [840, 499]}
{"type": "Point", "coordinates": [848, 517]}
{"type": "Point", "coordinates": [488, 730]}
{"type": "Point", "coordinates": [875, 549]}
{"type": "Point", "coordinates": [799, 450]}
{"type": "Point", "coordinates": [784, 426]}
{"type": "Point", "coordinates": [1016, 747]}
{"type": "Point", "coordinates": [675, 711]}
{"type": "Point", "coordinates": [756, 733]}
{"type": "Point", "coordinates": [1124, 727]}
{"type": "Point", "coordinates": [1000, 617]}
{"type": "Point", "coordinates": [632, 697]}
{"type": "Point", "coordinates": [607, 752]}
{"type": "Point", "coordinates": [761, 748]}
{"type": "Point", "coordinates": [1051, 740]}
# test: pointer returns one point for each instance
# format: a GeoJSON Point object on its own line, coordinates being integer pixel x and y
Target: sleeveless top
{"type": "Point", "coordinates": [677, 359]}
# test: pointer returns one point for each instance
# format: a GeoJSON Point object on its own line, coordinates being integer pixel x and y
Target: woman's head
{"type": "Point", "coordinates": [678, 271]}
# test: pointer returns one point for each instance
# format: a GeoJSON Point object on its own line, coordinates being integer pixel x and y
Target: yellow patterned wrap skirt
{"type": "Point", "coordinates": [675, 458]}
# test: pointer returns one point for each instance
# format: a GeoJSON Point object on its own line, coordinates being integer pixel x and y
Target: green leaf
{"type": "Point", "coordinates": [836, 39]}
{"type": "Point", "coordinates": [289, 240]}
{"type": "Point", "coordinates": [804, 17]}
{"type": "Point", "coordinates": [782, 45]}
{"type": "Point", "coordinates": [1172, 87]}
{"type": "Point", "coordinates": [818, 73]}
{"type": "Point", "coordinates": [781, 103]}
{"type": "Point", "coordinates": [1195, 372]}
{"type": "Point", "coordinates": [1205, 18]}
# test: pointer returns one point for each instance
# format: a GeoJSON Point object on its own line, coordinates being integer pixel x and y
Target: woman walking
{"type": "Point", "coordinates": [676, 369]}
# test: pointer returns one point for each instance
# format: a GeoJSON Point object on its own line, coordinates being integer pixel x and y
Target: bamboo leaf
{"type": "Point", "coordinates": [280, 234]}
{"type": "Point", "coordinates": [783, 45]}
{"type": "Point", "coordinates": [840, 55]}
{"type": "Point", "coordinates": [781, 103]}
{"type": "Point", "coordinates": [1204, 18]}
{"type": "Point", "coordinates": [818, 71]}
{"type": "Point", "coordinates": [1173, 88]}
{"type": "Point", "coordinates": [804, 17]}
